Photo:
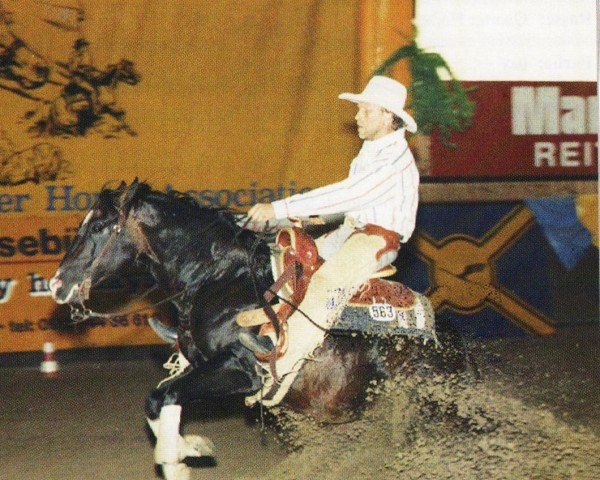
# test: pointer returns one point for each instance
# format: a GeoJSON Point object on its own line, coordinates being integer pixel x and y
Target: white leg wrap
{"type": "Point", "coordinates": [177, 471]}
{"type": "Point", "coordinates": [173, 471]}
{"type": "Point", "coordinates": [167, 440]}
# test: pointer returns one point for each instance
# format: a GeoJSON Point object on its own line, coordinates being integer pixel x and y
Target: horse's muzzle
{"type": "Point", "coordinates": [58, 291]}
{"type": "Point", "coordinates": [55, 284]}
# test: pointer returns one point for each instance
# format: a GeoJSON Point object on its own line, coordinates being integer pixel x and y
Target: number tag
{"type": "Point", "coordinates": [382, 312]}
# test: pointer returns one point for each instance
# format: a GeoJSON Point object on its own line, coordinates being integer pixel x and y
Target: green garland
{"type": "Point", "coordinates": [436, 104]}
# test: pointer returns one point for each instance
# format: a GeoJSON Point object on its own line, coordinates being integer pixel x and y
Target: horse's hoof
{"type": "Point", "coordinates": [177, 471]}
{"type": "Point", "coordinates": [197, 446]}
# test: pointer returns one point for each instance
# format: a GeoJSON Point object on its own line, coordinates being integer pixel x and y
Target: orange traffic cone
{"type": "Point", "coordinates": [49, 365]}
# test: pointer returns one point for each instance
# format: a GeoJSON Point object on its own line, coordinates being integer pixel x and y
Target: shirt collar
{"type": "Point", "coordinates": [395, 136]}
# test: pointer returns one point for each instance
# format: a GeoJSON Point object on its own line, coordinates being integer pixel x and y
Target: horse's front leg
{"type": "Point", "coordinates": [118, 114]}
{"type": "Point", "coordinates": [224, 376]}
{"type": "Point", "coordinates": [171, 448]}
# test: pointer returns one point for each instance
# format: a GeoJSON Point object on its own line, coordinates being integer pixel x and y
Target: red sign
{"type": "Point", "coordinates": [524, 129]}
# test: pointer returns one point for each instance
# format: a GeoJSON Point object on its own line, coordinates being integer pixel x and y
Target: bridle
{"type": "Point", "coordinates": [80, 313]}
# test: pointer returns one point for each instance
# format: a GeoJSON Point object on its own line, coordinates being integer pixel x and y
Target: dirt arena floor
{"type": "Point", "coordinates": [532, 413]}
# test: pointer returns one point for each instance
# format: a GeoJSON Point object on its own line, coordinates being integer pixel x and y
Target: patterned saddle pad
{"type": "Point", "coordinates": [383, 307]}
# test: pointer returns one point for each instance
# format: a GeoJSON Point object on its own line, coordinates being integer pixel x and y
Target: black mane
{"type": "Point", "coordinates": [174, 201]}
{"type": "Point", "coordinates": [177, 205]}
{"type": "Point", "coordinates": [206, 226]}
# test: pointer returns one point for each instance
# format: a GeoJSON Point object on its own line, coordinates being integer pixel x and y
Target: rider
{"type": "Point", "coordinates": [81, 68]}
{"type": "Point", "coordinates": [379, 199]}
{"type": "Point", "coordinates": [80, 59]}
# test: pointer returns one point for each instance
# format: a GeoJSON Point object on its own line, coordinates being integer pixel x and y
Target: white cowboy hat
{"type": "Point", "coordinates": [387, 93]}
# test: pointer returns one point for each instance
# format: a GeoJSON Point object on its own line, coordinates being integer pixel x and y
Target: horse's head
{"type": "Point", "coordinates": [127, 73]}
{"type": "Point", "coordinates": [104, 244]}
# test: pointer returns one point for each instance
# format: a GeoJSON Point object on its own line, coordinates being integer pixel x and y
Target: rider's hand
{"type": "Point", "coordinates": [261, 212]}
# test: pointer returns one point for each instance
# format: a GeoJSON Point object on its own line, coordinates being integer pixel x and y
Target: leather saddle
{"type": "Point", "coordinates": [295, 261]}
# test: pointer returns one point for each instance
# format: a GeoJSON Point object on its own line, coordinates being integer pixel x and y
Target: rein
{"type": "Point", "coordinates": [80, 313]}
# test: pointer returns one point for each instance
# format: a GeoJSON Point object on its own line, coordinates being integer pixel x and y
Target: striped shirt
{"type": "Point", "coordinates": [382, 188]}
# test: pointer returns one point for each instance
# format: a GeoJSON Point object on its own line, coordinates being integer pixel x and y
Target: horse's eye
{"type": "Point", "coordinates": [97, 227]}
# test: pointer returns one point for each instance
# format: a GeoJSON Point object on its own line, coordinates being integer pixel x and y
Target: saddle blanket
{"type": "Point", "coordinates": [387, 308]}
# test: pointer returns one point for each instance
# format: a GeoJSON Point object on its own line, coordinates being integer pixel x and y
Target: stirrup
{"type": "Point", "coordinates": [176, 365]}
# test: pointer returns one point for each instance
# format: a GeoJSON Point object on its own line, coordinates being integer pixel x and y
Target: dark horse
{"type": "Point", "coordinates": [214, 269]}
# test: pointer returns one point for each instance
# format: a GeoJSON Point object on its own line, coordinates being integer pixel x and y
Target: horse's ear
{"type": "Point", "coordinates": [127, 197]}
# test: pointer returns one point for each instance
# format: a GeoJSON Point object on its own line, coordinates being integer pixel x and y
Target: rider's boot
{"type": "Point", "coordinates": [255, 343]}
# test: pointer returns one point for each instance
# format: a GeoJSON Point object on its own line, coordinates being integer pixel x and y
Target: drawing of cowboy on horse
{"type": "Point", "coordinates": [89, 98]}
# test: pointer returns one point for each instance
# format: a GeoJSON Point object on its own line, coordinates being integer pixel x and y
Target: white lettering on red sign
{"type": "Point", "coordinates": [543, 111]}
{"type": "Point", "coordinates": [565, 154]}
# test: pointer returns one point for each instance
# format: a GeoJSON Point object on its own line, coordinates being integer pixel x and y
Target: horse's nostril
{"type": "Point", "coordinates": [55, 284]}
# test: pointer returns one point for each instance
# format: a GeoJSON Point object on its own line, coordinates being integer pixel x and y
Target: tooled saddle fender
{"type": "Point", "coordinates": [295, 263]}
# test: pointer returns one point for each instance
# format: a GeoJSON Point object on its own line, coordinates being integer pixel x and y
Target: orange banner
{"type": "Point", "coordinates": [385, 26]}
{"type": "Point", "coordinates": [95, 92]}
